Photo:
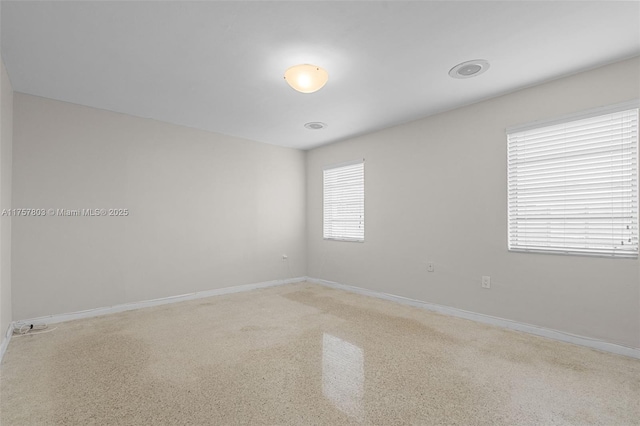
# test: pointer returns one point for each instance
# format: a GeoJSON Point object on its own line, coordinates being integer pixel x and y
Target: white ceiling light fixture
{"type": "Point", "coordinates": [469, 69]}
{"type": "Point", "coordinates": [306, 78]}
{"type": "Point", "coordinates": [315, 125]}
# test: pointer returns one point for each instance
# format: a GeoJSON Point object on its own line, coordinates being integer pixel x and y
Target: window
{"type": "Point", "coordinates": [573, 184]}
{"type": "Point", "coordinates": [344, 202]}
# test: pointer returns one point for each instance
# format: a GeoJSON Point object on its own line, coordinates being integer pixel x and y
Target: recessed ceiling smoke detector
{"type": "Point", "coordinates": [315, 125]}
{"type": "Point", "coordinates": [469, 69]}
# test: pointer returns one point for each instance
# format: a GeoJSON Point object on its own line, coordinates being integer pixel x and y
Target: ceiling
{"type": "Point", "coordinates": [219, 66]}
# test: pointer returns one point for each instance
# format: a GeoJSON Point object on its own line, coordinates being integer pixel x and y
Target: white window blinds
{"type": "Point", "coordinates": [573, 186]}
{"type": "Point", "coordinates": [344, 202]}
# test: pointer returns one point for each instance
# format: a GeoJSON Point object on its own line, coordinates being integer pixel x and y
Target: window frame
{"type": "Point", "coordinates": [324, 206]}
{"type": "Point", "coordinates": [592, 113]}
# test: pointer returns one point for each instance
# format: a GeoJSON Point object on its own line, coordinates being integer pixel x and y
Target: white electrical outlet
{"type": "Point", "coordinates": [486, 281]}
{"type": "Point", "coordinates": [430, 267]}
{"type": "Point", "coordinates": [285, 257]}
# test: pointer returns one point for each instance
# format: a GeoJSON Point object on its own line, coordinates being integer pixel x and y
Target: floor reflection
{"type": "Point", "coordinates": [343, 375]}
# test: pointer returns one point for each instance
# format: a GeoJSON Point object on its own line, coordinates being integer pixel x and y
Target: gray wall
{"type": "Point", "coordinates": [210, 211]}
{"type": "Point", "coordinates": [435, 190]}
{"type": "Point", "coordinates": [206, 210]}
{"type": "Point", "coordinates": [6, 126]}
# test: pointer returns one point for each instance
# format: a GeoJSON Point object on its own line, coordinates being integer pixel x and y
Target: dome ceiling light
{"type": "Point", "coordinates": [306, 78]}
{"type": "Point", "coordinates": [469, 69]}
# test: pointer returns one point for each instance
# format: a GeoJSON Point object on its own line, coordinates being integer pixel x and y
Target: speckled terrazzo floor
{"type": "Point", "coordinates": [305, 354]}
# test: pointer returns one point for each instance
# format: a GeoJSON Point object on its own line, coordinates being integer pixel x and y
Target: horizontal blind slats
{"type": "Point", "coordinates": [343, 200]}
{"type": "Point", "coordinates": [546, 169]}
{"type": "Point", "coordinates": [622, 136]}
{"type": "Point", "coordinates": [579, 123]}
{"type": "Point", "coordinates": [572, 187]}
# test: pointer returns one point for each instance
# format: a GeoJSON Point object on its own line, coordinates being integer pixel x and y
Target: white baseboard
{"type": "Point", "coordinates": [482, 318]}
{"type": "Point", "coordinates": [487, 319]}
{"type": "Point", "coordinates": [5, 341]}
{"type": "Point", "coordinates": [89, 313]}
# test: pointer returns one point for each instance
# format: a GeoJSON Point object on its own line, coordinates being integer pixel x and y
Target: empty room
{"type": "Point", "coordinates": [319, 213]}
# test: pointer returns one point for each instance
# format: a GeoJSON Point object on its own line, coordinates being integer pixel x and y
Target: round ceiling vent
{"type": "Point", "coordinates": [315, 125]}
{"type": "Point", "coordinates": [469, 69]}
